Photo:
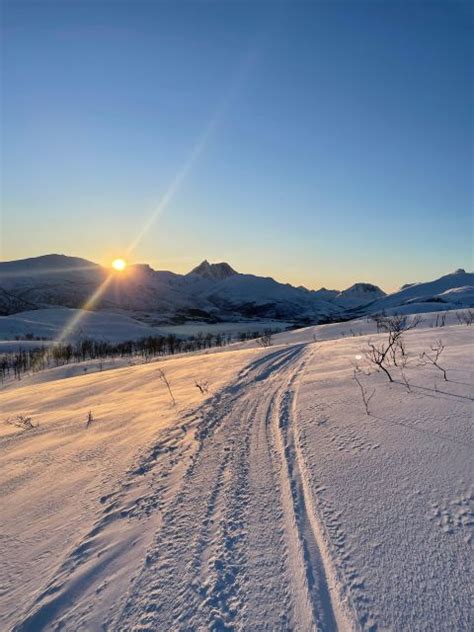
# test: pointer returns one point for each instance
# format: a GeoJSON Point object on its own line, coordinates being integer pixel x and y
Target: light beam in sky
{"type": "Point", "coordinates": [199, 146]}
{"type": "Point", "coordinates": [88, 305]}
{"type": "Point", "coordinates": [174, 186]}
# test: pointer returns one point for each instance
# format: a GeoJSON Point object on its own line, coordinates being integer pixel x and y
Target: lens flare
{"type": "Point", "coordinates": [119, 264]}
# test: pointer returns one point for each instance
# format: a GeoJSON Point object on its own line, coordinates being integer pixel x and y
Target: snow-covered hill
{"type": "Point", "coordinates": [452, 291]}
{"type": "Point", "coordinates": [358, 295]}
{"type": "Point", "coordinates": [50, 323]}
{"type": "Point", "coordinates": [271, 501]}
{"type": "Point", "coordinates": [73, 325]}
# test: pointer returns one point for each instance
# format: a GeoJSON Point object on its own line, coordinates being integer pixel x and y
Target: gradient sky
{"type": "Point", "coordinates": [320, 143]}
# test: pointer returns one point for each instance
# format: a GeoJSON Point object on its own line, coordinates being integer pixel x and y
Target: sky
{"type": "Point", "coordinates": [320, 143]}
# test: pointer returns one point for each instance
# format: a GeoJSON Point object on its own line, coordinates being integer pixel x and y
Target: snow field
{"type": "Point", "coordinates": [273, 503]}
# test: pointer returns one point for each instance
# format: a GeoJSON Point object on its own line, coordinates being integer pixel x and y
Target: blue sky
{"type": "Point", "coordinates": [321, 143]}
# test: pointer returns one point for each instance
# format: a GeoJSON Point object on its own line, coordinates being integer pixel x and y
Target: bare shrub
{"type": "Point", "coordinates": [366, 396]}
{"type": "Point", "coordinates": [440, 320]}
{"type": "Point", "coordinates": [265, 339]}
{"type": "Point", "coordinates": [392, 351]}
{"type": "Point", "coordinates": [164, 379]}
{"type": "Point", "coordinates": [21, 421]}
{"type": "Point", "coordinates": [202, 386]}
{"type": "Point", "coordinates": [90, 419]}
{"type": "Point", "coordinates": [433, 358]}
{"type": "Point", "coordinates": [466, 317]}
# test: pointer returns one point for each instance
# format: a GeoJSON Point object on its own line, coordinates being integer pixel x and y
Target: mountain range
{"type": "Point", "coordinates": [211, 292]}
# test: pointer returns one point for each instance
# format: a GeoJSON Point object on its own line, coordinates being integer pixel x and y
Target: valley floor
{"type": "Point", "coordinates": [270, 502]}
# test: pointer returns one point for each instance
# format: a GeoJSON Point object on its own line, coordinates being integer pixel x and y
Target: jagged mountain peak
{"type": "Point", "coordinates": [363, 288]}
{"type": "Point", "coordinates": [213, 271]}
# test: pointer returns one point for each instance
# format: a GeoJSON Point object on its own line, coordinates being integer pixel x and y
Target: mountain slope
{"type": "Point", "coordinates": [358, 295]}
{"type": "Point", "coordinates": [451, 291]}
{"type": "Point", "coordinates": [209, 292]}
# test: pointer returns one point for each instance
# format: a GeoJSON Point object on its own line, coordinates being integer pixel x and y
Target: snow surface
{"type": "Point", "coordinates": [272, 502]}
{"type": "Point", "coordinates": [108, 326]}
{"type": "Point", "coordinates": [50, 323]}
{"type": "Point", "coordinates": [460, 281]}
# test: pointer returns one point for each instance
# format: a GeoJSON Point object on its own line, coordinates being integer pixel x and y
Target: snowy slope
{"type": "Point", "coordinates": [454, 290]}
{"type": "Point", "coordinates": [26, 329]}
{"type": "Point", "coordinates": [265, 297]}
{"type": "Point", "coordinates": [273, 502]}
{"type": "Point", "coordinates": [50, 323]}
{"type": "Point", "coordinates": [358, 295]}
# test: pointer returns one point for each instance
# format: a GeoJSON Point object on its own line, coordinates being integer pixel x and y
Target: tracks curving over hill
{"type": "Point", "coordinates": [233, 540]}
{"type": "Point", "coordinates": [239, 548]}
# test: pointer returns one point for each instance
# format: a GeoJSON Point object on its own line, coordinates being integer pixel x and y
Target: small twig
{"type": "Point", "coordinates": [202, 386]}
{"type": "Point", "coordinates": [363, 391]}
{"type": "Point", "coordinates": [163, 378]}
{"type": "Point", "coordinates": [437, 348]}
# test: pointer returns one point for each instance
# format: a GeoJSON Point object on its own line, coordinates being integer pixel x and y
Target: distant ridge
{"type": "Point", "coordinates": [210, 292]}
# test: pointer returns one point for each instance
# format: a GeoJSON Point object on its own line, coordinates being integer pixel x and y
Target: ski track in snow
{"type": "Point", "coordinates": [237, 528]}
{"type": "Point", "coordinates": [229, 544]}
{"type": "Point", "coordinates": [236, 534]}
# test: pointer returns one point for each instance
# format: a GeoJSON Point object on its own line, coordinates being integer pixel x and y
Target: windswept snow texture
{"type": "Point", "coordinates": [270, 502]}
{"type": "Point", "coordinates": [76, 324]}
{"type": "Point", "coordinates": [51, 323]}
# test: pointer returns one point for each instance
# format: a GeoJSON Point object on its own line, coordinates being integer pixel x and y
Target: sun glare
{"type": "Point", "coordinates": [119, 264]}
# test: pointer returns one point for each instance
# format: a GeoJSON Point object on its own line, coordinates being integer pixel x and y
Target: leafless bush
{"type": "Point", "coordinates": [440, 320]}
{"type": "Point", "coordinates": [366, 396]}
{"type": "Point", "coordinates": [21, 421]}
{"type": "Point", "coordinates": [433, 358]}
{"type": "Point", "coordinates": [202, 386]}
{"type": "Point", "coordinates": [392, 351]}
{"type": "Point", "coordinates": [404, 378]}
{"type": "Point", "coordinates": [164, 379]}
{"type": "Point", "coordinates": [466, 317]}
{"type": "Point", "coordinates": [378, 319]}
{"type": "Point", "coordinates": [265, 339]}
{"type": "Point", "coordinates": [90, 419]}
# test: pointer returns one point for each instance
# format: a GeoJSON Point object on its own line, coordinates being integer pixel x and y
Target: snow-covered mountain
{"type": "Point", "coordinates": [358, 295]}
{"type": "Point", "coordinates": [452, 291]}
{"type": "Point", "coordinates": [213, 271]}
{"type": "Point", "coordinates": [211, 292]}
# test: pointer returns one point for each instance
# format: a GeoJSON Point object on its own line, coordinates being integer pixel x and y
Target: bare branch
{"type": "Point", "coordinates": [437, 349]}
{"type": "Point", "coordinates": [90, 419]}
{"type": "Point", "coordinates": [366, 397]}
{"type": "Point", "coordinates": [164, 379]}
{"type": "Point", "coordinates": [21, 421]}
{"type": "Point", "coordinates": [202, 386]}
{"type": "Point", "coordinates": [266, 339]}
{"type": "Point", "coordinates": [393, 350]}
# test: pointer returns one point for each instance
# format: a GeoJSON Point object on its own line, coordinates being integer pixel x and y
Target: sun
{"type": "Point", "coordinates": [119, 265]}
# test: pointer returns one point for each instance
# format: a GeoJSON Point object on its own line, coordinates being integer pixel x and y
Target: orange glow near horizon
{"type": "Point", "coordinates": [119, 264]}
